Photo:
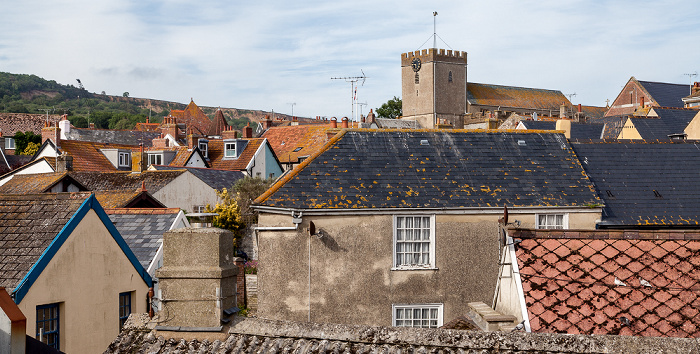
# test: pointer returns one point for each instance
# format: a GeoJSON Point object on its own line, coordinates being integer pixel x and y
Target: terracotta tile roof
{"type": "Point", "coordinates": [218, 161]}
{"type": "Point", "coordinates": [194, 118]}
{"type": "Point", "coordinates": [515, 97]}
{"type": "Point", "coordinates": [88, 157]}
{"type": "Point", "coordinates": [305, 139]}
{"type": "Point", "coordinates": [10, 123]}
{"type": "Point", "coordinates": [644, 183]}
{"type": "Point", "coordinates": [33, 183]}
{"type": "Point", "coordinates": [436, 169]}
{"type": "Point", "coordinates": [28, 224]}
{"type": "Point", "coordinates": [218, 124]}
{"type": "Point", "coordinates": [124, 180]}
{"type": "Point", "coordinates": [147, 127]}
{"type": "Point", "coordinates": [583, 283]}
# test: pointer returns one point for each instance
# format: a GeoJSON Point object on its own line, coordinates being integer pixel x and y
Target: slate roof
{"type": "Point", "coordinates": [666, 94]}
{"type": "Point", "coordinates": [34, 183]}
{"type": "Point", "coordinates": [669, 121]}
{"type": "Point", "coordinates": [594, 111]}
{"type": "Point", "coordinates": [217, 179]}
{"type": "Point", "coordinates": [285, 140]}
{"type": "Point", "coordinates": [515, 97]}
{"type": "Point", "coordinates": [125, 180]}
{"type": "Point", "coordinates": [644, 183]}
{"type": "Point", "coordinates": [578, 130]}
{"type": "Point", "coordinates": [255, 335]}
{"type": "Point", "coordinates": [127, 198]}
{"type": "Point", "coordinates": [436, 169]}
{"type": "Point", "coordinates": [598, 282]}
{"type": "Point", "coordinates": [123, 137]}
{"type": "Point", "coordinates": [11, 162]}
{"type": "Point", "coordinates": [218, 161]}
{"type": "Point", "coordinates": [612, 125]}
{"type": "Point", "coordinates": [143, 229]}
{"type": "Point", "coordinates": [28, 224]}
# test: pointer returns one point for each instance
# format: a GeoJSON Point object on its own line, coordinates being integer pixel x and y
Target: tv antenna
{"type": "Point", "coordinates": [292, 104]}
{"type": "Point", "coordinates": [353, 88]}
{"type": "Point", "coordinates": [360, 104]}
{"type": "Point", "coordinates": [690, 77]}
{"type": "Point", "coordinates": [570, 95]}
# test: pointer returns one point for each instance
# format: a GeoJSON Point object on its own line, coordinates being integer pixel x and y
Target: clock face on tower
{"type": "Point", "coordinates": [415, 64]}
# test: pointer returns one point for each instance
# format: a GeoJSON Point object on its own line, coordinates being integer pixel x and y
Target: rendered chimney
{"type": "Point", "coordinates": [565, 125]}
{"type": "Point", "coordinates": [198, 279]}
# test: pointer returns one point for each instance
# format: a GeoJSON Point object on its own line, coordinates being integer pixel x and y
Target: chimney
{"type": "Point", "coordinates": [169, 126]}
{"type": "Point", "coordinates": [229, 133]}
{"type": "Point", "coordinates": [562, 111]}
{"type": "Point", "coordinates": [247, 132]}
{"type": "Point", "coordinates": [370, 117]}
{"type": "Point", "coordinates": [579, 106]}
{"type": "Point", "coordinates": [92, 125]}
{"type": "Point", "coordinates": [198, 278]}
{"type": "Point", "coordinates": [295, 121]}
{"type": "Point", "coordinates": [344, 122]}
{"type": "Point", "coordinates": [64, 163]}
{"type": "Point", "coordinates": [334, 122]}
{"type": "Point", "coordinates": [565, 125]}
{"type": "Point", "coordinates": [641, 102]}
{"type": "Point", "coordinates": [51, 132]}
{"type": "Point", "coordinates": [192, 141]}
{"type": "Point", "coordinates": [267, 123]}
{"type": "Point", "coordinates": [148, 120]}
{"type": "Point", "coordinates": [696, 88]}
{"type": "Point", "coordinates": [64, 124]}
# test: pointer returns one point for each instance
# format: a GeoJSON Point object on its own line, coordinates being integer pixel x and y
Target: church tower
{"type": "Point", "coordinates": [434, 87]}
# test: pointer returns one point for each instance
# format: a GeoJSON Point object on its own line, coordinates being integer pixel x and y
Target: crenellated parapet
{"type": "Point", "coordinates": [434, 54]}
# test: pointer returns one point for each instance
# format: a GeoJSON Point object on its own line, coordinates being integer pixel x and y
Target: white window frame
{"type": "Point", "coordinates": [124, 159]}
{"type": "Point", "coordinates": [152, 157]}
{"type": "Point", "coordinates": [548, 225]}
{"type": "Point", "coordinates": [203, 145]}
{"type": "Point", "coordinates": [396, 322]}
{"type": "Point", "coordinates": [199, 208]}
{"type": "Point", "coordinates": [9, 143]}
{"type": "Point", "coordinates": [227, 149]}
{"type": "Point", "coordinates": [431, 252]}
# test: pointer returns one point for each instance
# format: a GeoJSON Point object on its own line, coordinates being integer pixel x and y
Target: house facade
{"type": "Point", "coordinates": [74, 278]}
{"type": "Point", "coordinates": [401, 227]}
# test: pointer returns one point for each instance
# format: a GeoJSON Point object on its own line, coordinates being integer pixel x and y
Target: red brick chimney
{"type": "Point", "coordinates": [334, 122]}
{"type": "Point", "coordinates": [696, 88]}
{"type": "Point", "coordinates": [579, 107]}
{"type": "Point", "coordinates": [169, 126]}
{"type": "Point", "coordinates": [267, 123]}
{"type": "Point", "coordinates": [247, 132]}
{"type": "Point", "coordinates": [229, 133]}
{"type": "Point", "coordinates": [51, 132]}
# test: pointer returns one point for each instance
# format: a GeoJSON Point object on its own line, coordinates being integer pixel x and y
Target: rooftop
{"type": "Point", "coordinates": [125, 180]}
{"type": "Point", "coordinates": [217, 179]}
{"type": "Point", "coordinates": [515, 97]}
{"type": "Point", "coordinates": [666, 94]}
{"type": "Point", "coordinates": [292, 142]}
{"type": "Point", "coordinates": [436, 169]}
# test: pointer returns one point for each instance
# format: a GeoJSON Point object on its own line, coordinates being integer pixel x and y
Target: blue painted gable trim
{"type": "Point", "coordinates": [58, 241]}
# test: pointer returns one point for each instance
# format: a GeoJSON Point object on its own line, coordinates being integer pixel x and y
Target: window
{"type": "Point", "coordinates": [230, 149]}
{"type": "Point", "coordinates": [449, 77]}
{"type": "Point", "coordinates": [424, 316]}
{"type": "Point", "coordinates": [552, 221]}
{"type": "Point", "coordinates": [10, 143]}
{"type": "Point", "coordinates": [47, 321]}
{"type": "Point", "coordinates": [298, 149]}
{"type": "Point", "coordinates": [155, 159]}
{"type": "Point", "coordinates": [124, 159]}
{"type": "Point", "coordinates": [124, 308]}
{"type": "Point", "coordinates": [204, 147]}
{"type": "Point", "coordinates": [198, 209]}
{"type": "Point", "coordinates": [414, 242]}
{"type": "Point", "coordinates": [417, 80]}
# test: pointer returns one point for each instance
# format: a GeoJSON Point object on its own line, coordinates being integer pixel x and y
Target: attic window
{"type": "Point", "coordinates": [230, 149]}
{"type": "Point", "coordinates": [155, 159]}
{"type": "Point", "coordinates": [521, 142]}
{"type": "Point", "coordinates": [204, 147]}
{"type": "Point", "coordinates": [124, 159]}
{"type": "Point", "coordinates": [297, 149]}
{"type": "Point", "coordinates": [424, 142]}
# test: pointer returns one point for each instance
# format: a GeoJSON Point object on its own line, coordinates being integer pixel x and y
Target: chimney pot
{"type": "Point", "coordinates": [334, 122]}
{"type": "Point", "coordinates": [344, 122]}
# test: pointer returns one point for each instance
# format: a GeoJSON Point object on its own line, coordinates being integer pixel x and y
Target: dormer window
{"type": "Point", "coordinates": [155, 159]}
{"type": "Point", "coordinates": [204, 147]}
{"type": "Point", "coordinates": [124, 159]}
{"type": "Point", "coordinates": [230, 149]}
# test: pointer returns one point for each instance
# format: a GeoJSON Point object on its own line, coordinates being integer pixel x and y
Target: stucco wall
{"type": "Point", "coordinates": [264, 164]}
{"type": "Point", "coordinates": [351, 276]}
{"type": "Point", "coordinates": [86, 276]}
{"type": "Point", "coordinates": [693, 128]}
{"type": "Point", "coordinates": [41, 167]}
{"type": "Point", "coordinates": [185, 192]}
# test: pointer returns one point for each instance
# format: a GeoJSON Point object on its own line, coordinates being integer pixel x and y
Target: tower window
{"type": "Point", "coordinates": [417, 80]}
{"type": "Point", "coordinates": [449, 77]}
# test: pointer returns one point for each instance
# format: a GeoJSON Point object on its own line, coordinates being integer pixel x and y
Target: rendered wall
{"type": "Point", "coordinates": [351, 278]}
{"type": "Point", "coordinates": [185, 192]}
{"type": "Point", "coordinates": [86, 276]}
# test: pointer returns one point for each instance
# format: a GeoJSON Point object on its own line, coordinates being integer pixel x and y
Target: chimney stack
{"type": "Point", "coordinates": [565, 125]}
{"type": "Point", "coordinates": [198, 279]}
{"type": "Point", "coordinates": [247, 132]}
{"type": "Point", "coordinates": [267, 123]}
{"type": "Point", "coordinates": [229, 133]}
{"type": "Point", "coordinates": [696, 88]}
{"type": "Point", "coordinates": [295, 121]}
{"type": "Point", "coordinates": [64, 163]}
{"type": "Point", "coordinates": [51, 132]}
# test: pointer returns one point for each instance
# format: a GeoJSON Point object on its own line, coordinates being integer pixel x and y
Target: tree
{"type": "Point", "coordinates": [229, 217]}
{"type": "Point", "coordinates": [125, 94]}
{"type": "Point", "coordinates": [31, 149]}
{"type": "Point", "coordinates": [390, 109]}
{"type": "Point", "coordinates": [247, 190]}
{"type": "Point", "coordinates": [23, 139]}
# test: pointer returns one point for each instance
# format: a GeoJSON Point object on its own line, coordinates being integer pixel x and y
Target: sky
{"type": "Point", "coordinates": [281, 55]}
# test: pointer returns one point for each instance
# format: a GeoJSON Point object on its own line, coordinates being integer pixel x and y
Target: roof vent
{"type": "Point", "coordinates": [657, 194]}
{"type": "Point", "coordinates": [521, 142]}
{"type": "Point", "coordinates": [424, 142]}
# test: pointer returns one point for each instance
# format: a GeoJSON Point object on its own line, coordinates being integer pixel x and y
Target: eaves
{"type": "Point", "coordinates": [430, 211]}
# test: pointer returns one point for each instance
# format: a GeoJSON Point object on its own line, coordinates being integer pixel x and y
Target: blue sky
{"type": "Point", "coordinates": [269, 54]}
